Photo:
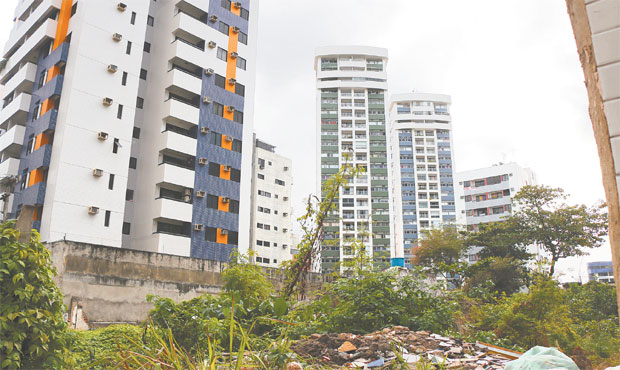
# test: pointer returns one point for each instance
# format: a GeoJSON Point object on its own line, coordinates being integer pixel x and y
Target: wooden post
{"type": "Point", "coordinates": [583, 36]}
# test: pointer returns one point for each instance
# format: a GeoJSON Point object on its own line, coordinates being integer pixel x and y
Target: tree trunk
{"type": "Point", "coordinates": [585, 47]}
{"type": "Point", "coordinates": [552, 268]}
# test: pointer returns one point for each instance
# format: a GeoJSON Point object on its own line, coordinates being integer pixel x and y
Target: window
{"type": "Point", "coordinates": [139, 102]}
{"type": "Point", "coordinates": [238, 116]}
{"type": "Point", "coordinates": [42, 78]}
{"type": "Point", "coordinates": [245, 14]}
{"type": "Point", "coordinates": [261, 176]}
{"type": "Point", "coordinates": [220, 81]}
{"type": "Point", "coordinates": [133, 18]}
{"type": "Point", "coordinates": [24, 179]}
{"type": "Point", "coordinates": [115, 145]}
{"type": "Point", "coordinates": [150, 21]}
{"type": "Point", "coordinates": [136, 132]}
{"type": "Point", "coordinates": [133, 162]}
{"type": "Point", "coordinates": [147, 47]}
{"type": "Point", "coordinates": [225, 4]}
{"type": "Point", "coordinates": [239, 89]}
{"type": "Point", "coordinates": [37, 111]}
{"type": "Point", "coordinates": [111, 182]}
{"type": "Point", "coordinates": [119, 112]}
{"type": "Point", "coordinates": [128, 51]}
{"type": "Point", "coordinates": [126, 228]}
{"type": "Point", "coordinates": [222, 54]}
{"type": "Point", "coordinates": [235, 175]}
{"type": "Point", "coordinates": [106, 222]}
{"type": "Point", "coordinates": [223, 28]}
{"type": "Point", "coordinates": [143, 74]}
{"type": "Point", "coordinates": [129, 194]}
{"type": "Point", "coordinates": [211, 234]}
{"type": "Point", "coordinates": [280, 182]}
{"type": "Point", "coordinates": [124, 79]}
{"type": "Point", "coordinates": [236, 146]}
{"type": "Point", "coordinates": [241, 63]}
{"type": "Point", "coordinates": [233, 207]}
{"type": "Point", "coordinates": [214, 169]}
{"type": "Point", "coordinates": [233, 238]}
{"type": "Point", "coordinates": [243, 38]}
{"type": "Point", "coordinates": [264, 193]}
{"type": "Point", "coordinates": [30, 145]}
{"type": "Point", "coordinates": [212, 201]}
{"type": "Point", "coordinates": [73, 9]}
{"type": "Point", "coordinates": [218, 109]}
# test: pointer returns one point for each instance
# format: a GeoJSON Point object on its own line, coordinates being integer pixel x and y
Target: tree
{"type": "Point", "coordinates": [31, 308]}
{"type": "Point", "coordinates": [507, 275]}
{"type": "Point", "coordinates": [563, 231]}
{"type": "Point", "coordinates": [442, 250]}
{"type": "Point", "coordinates": [502, 239]}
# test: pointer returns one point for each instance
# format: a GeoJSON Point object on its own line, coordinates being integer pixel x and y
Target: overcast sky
{"type": "Point", "coordinates": [511, 67]}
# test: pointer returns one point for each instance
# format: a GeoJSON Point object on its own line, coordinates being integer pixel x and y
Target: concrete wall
{"type": "Point", "coordinates": [111, 284]}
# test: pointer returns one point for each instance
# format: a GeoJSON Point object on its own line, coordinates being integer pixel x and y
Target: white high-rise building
{"type": "Point", "coordinates": [485, 195]}
{"type": "Point", "coordinates": [130, 123]}
{"type": "Point", "coordinates": [422, 167]}
{"type": "Point", "coordinates": [272, 228]}
{"type": "Point", "coordinates": [351, 95]}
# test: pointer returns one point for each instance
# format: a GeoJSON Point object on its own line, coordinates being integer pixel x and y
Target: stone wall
{"type": "Point", "coordinates": [109, 285]}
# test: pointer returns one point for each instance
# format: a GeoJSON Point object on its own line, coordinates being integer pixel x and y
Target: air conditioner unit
{"type": "Point", "coordinates": [197, 227]}
{"type": "Point", "coordinates": [122, 7]}
{"type": "Point", "coordinates": [227, 168]}
{"type": "Point", "coordinates": [211, 44]}
{"type": "Point", "coordinates": [232, 81]}
{"type": "Point", "coordinates": [93, 210]}
{"type": "Point", "coordinates": [102, 135]}
{"type": "Point", "coordinates": [202, 161]}
{"type": "Point", "coordinates": [97, 172]}
{"type": "Point", "coordinates": [204, 130]}
{"type": "Point", "coordinates": [187, 192]}
{"type": "Point", "coordinates": [213, 18]}
{"type": "Point", "coordinates": [207, 100]}
{"type": "Point", "coordinates": [237, 4]}
{"type": "Point", "coordinates": [117, 37]}
{"type": "Point", "coordinates": [284, 246]}
{"type": "Point", "coordinates": [228, 138]}
{"type": "Point", "coordinates": [187, 198]}
{"type": "Point", "coordinates": [112, 68]}
{"type": "Point", "coordinates": [225, 199]}
{"type": "Point", "coordinates": [284, 198]}
{"type": "Point", "coordinates": [230, 108]}
{"type": "Point", "coordinates": [224, 232]}
{"type": "Point", "coordinates": [285, 168]}
{"type": "Point", "coordinates": [284, 214]}
{"type": "Point", "coordinates": [233, 54]}
{"type": "Point", "coordinates": [235, 29]}
{"type": "Point", "coordinates": [200, 194]}
{"type": "Point", "coordinates": [284, 230]}
{"type": "Point", "coordinates": [209, 71]}
{"type": "Point", "coordinates": [262, 166]}
{"type": "Point", "coordinates": [107, 101]}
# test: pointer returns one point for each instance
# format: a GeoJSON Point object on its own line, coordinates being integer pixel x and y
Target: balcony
{"type": "Point", "coordinates": [177, 142]}
{"type": "Point", "coordinates": [40, 157]}
{"type": "Point", "coordinates": [9, 167]}
{"type": "Point", "coordinates": [16, 110]}
{"type": "Point", "coordinates": [50, 89]}
{"type": "Point", "coordinates": [181, 111]}
{"type": "Point", "coordinates": [46, 31]}
{"type": "Point", "coordinates": [190, 25]}
{"type": "Point", "coordinates": [24, 27]}
{"type": "Point", "coordinates": [22, 81]}
{"type": "Point", "coordinates": [173, 174]}
{"type": "Point", "coordinates": [178, 245]}
{"type": "Point", "coordinates": [184, 79]}
{"type": "Point", "coordinates": [186, 51]}
{"type": "Point", "coordinates": [173, 209]}
{"type": "Point", "coordinates": [12, 140]}
{"type": "Point", "coordinates": [45, 123]}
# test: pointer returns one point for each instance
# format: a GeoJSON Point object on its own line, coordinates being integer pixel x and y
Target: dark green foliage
{"type": "Point", "coordinates": [499, 239]}
{"type": "Point", "coordinates": [98, 349]}
{"type": "Point", "coordinates": [592, 301]}
{"type": "Point", "coordinates": [498, 275]}
{"type": "Point", "coordinates": [442, 251]}
{"type": "Point", "coordinates": [31, 308]}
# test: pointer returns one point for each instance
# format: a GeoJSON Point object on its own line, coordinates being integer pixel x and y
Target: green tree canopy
{"type": "Point", "coordinates": [502, 239]}
{"type": "Point", "coordinates": [442, 250]}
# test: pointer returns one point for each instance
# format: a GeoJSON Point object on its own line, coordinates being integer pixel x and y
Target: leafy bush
{"type": "Point", "coordinates": [31, 309]}
{"type": "Point", "coordinates": [98, 349]}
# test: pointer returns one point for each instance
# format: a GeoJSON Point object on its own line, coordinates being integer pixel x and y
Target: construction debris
{"type": "Point", "coordinates": [398, 344]}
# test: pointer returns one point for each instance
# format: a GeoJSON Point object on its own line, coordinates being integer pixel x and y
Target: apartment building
{"type": "Point", "coordinates": [271, 236]}
{"type": "Point", "coordinates": [485, 195]}
{"type": "Point", "coordinates": [351, 88]}
{"type": "Point", "coordinates": [422, 168]}
{"type": "Point", "coordinates": [123, 120]}
{"type": "Point", "coordinates": [602, 271]}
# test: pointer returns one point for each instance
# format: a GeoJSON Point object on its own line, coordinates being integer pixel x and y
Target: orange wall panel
{"type": "Point", "coordinates": [221, 238]}
{"type": "Point", "coordinates": [221, 206]}
{"type": "Point", "coordinates": [224, 174]}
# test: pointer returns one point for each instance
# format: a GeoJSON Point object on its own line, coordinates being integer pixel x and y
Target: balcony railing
{"type": "Point", "coordinates": [183, 163]}
{"type": "Point", "coordinates": [178, 68]}
{"type": "Point", "coordinates": [200, 46]}
{"type": "Point", "coordinates": [187, 101]}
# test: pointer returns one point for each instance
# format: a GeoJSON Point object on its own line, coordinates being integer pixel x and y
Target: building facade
{"type": "Point", "coordinates": [351, 96]}
{"type": "Point", "coordinates": [602, 271]}
{"type": "Point", "coordinates": [123, 120]}
{"type": "Point", "coordinates": [271, 236]}
{"type": "Point", "coordinates": [422, 167]}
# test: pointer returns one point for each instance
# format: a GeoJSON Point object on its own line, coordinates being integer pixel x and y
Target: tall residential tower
{"type": "Point", "coordinates": [130, 123]}
{"type": "Point", "coordinates": [351, 93]}
{"type": "Point", "coordinates": [422, 182]}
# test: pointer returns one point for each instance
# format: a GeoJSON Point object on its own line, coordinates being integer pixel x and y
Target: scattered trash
{"type": "Point", "coordinates": [399, 344]}
{"type": "Point", "coordinates": [539, 358]}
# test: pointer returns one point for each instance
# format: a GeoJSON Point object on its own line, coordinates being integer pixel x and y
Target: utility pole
{"type": "Point", "coordinates": [7, 184]}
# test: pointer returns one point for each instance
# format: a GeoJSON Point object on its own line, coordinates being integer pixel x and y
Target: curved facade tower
{"type": "Point", "coordinates": [422, 182]}
{"type": "Point", "coordinates": [351, 96]}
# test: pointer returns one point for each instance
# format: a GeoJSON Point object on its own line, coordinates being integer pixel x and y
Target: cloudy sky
{"type": "Point", "coordinates": [511, 68]}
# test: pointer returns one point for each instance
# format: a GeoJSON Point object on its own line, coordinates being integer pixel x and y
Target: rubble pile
{"type": "Point", "coordinates": [397, 345]}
